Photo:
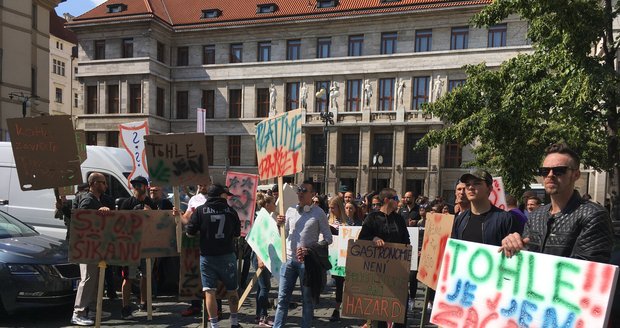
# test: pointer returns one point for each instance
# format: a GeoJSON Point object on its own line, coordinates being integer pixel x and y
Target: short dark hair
{"type": "Point", "coordinates": [562, 148]}
{"type": "Point", "coordinates": [534, 198]}
{"type": "Point", "coordinates": [387, 193]}
{"type": "Point", "coordinates": [309, 182]}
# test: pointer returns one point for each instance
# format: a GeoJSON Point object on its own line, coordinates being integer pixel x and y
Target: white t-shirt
{"type": "Point", "coordinates": [195, 201]}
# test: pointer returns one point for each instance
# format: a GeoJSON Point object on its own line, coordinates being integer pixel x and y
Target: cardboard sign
{"type": "Point", "coordinates": [132, 138]}
{"type": "Point", "coordinates": [288, 195]}
{"type": "Point", "coordinates": [264, 238]}
{"type": "Point", "coordinates": [377, 281]}
{"type": "Point", "coordinates": [177, 159]}
{"type": "Point", "coordinates": [437, 230]}
{"type": "Point", "coordinates": [243, 187]}
{"type": "Point", "coordinates": [333, 252]}
{"type": "Point", "coordinates": [80, 140]}
{"type": "Point", "coordinates": [278, 145]}
{"type": "Point", "coordinates": [190, 284]}
{"type": "Point", "coordinates": [45, 152]}
{"type": "Point", "coordinates": [414, 237]}
{"type": "Point", "coordinates": [498, 194]}
{"type": "Point", "coordinates": [481, 287]}
{"type": "Point", "coordinates": [160, 238]}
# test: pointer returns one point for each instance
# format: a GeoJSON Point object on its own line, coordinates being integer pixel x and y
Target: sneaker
{"type": "Point", "coordinates": [335, 316]}
{"type": "Point", "coordinates": [127, 313]}
{"type": "Point", "coordinates": [265, 322]}
{"type": "Point", "coordinates": [81, 321]}
{"type": "Point", "coordinates": [144, 308]}
{"type": "Point", "coordinates": [92, 314]}
{"type": "Point", "coordinates": [410, 305]}
{"type": "Point", "coordinates": [190, 311]}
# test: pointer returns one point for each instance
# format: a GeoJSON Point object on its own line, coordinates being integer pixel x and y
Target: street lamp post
{"type": "Point", "coordinates": [24, 98]}
{"type": "Point", "coordinates": [377, 160]}
{"type": "Point", "coordinates": [327, 118]}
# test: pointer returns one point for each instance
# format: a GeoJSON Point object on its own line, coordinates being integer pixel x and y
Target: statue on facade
{"type": "Point", "coordinates": [273, 95]}
{"type": "Point", "coordinates": [367, 92]}
{"type": "Point", "coordinates": [437, 88]}
{"type": "Point", "coordinates": [334, 93]}
{"type": "Point", "coordinates": [304, 96]}
{"type": "Point", "coordinates": [400, 90]}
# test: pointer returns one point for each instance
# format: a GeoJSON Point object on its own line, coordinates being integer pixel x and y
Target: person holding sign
{"type": "Point", "coordinates": [302, 225]}
{"type": "Point", "coordinates": [218, 225]}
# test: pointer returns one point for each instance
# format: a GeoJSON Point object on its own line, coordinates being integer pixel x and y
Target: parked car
{"type": "Point", "coordinates": [34, 268]}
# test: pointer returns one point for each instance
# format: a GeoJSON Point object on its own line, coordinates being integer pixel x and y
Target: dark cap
{"type": "Point", "coordinates": [479, 174]}
{"type": "Point", "coordinates": [216, 189]}
{"type": "Point", "coordinates": [139, 180]}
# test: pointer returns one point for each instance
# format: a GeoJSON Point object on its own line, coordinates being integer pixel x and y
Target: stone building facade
{"type": "Point", "coordinates": [65, 89]}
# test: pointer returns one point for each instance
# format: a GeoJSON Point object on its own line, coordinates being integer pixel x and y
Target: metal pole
{"type": "Point", "coordinates": [326, 157]}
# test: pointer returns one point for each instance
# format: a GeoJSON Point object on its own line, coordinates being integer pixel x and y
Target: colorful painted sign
{"type": "Point", "coordinates": [177, 159]}
{"type": "Point", "coordinates": [333, 250]}
{"type": "Point", "coordinates": [437, 230]}
{"type": "Point", "coordinates": [480, 287]}
{"type": "Point", "coordinates": [132, 138]}
{"type": "Point", "coordinates": [498, 194]}
{"type": "Point", "coordinates": [278, 145]}
{"type": "Point", "coordinates": [45, 152]}
{"type": "Point", "coordinates": [243, 187]}
{"type": "Point", "coordinates": [377, 281]}
{"type": "Point", "coordinates": [190, 285]}
{"type": "Point", "coordinates": [264, 238]}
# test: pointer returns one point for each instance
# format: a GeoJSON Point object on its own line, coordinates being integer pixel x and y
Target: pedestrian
{"type": "Point", "coordinates": [410, 210]}
{"type": "Point", "coordinates": [218, 225]}
{"type": "Point", "coordinates": [461, 203]}
{"type": "Point", "coordinates": [264, 279]}
{"type": "Point", "coordinates": [337, 217]}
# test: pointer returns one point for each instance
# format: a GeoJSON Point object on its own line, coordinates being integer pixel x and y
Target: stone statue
{"type": "Point", "coordinates": [437, 88]}
{"type": "Point", "coordinates": [304, 96]}
{"type": "Point", "coordinates": [367, 92]}
{"type": "Point", "coordinates": [334, 93]}
{"type": "Point", "coordinates": [273, 95]}
{"type": "Point", "coordinates": [400, 90]}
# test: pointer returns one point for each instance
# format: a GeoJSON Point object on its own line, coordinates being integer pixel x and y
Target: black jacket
{"type": "Point", "coordinates": [316, 265]}
{"type": "Point", "coordinates": [218, 225]}
{"type": "Point", "coordinates": [391, 228]}
{"type": "Point", "coordinates": [496, 225]}
{"type": "Point", "coordinates": [582, 231]}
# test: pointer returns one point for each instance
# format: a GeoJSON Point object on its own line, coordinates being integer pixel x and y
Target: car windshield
{"type": "Point", "coordinates": [11, 227]}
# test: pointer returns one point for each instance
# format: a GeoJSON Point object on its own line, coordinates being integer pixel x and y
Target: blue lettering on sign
{"type": "Point", "coordinates": [551, 320]}
{"type": "Point", "coordinates": [280, 131]}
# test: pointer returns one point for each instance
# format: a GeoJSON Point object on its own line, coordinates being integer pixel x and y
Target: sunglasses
{"type": "Point", "coordinates": [302, 190]}
{"type": "Point", "coordinates": [376, 204]}
{"type": "Point", "coordinates": [558, 171]}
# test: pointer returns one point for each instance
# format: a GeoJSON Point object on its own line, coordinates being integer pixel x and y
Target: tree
{"type": "Point", "coordinates": [565, 89]}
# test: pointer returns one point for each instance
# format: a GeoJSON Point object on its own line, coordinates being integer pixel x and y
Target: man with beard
{"type": "Point", "coordinates": [409, 211]}
{"type": "Point", "coordinates": [461, 203]}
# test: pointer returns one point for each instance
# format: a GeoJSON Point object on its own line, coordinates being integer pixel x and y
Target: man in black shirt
{"type": "Point", "coordinates": [218, 225]}
{"type": "Point", "coordinates": [409, 211]}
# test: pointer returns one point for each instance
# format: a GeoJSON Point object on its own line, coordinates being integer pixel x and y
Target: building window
{"type": "Point", "coordinates": [75, 73]}
{"type": "Point", "coordinates": [292, 96]}
{"type": "Point", "coordinates": [160, 102]}
{"type": "Point", "coordinates": [112, 139]}
{"type": "Point", "coordinates": [266, 8]}
{"type": "Point", "coordinates": [415, 157]}
{"type": "Point", "coordinates": [356, 45]}
{"type": "Point", "coordinates": [35, 16]}
{"type": "Point", "coordinates": [59, 95]}
{"type": "Point", "coordinates": [234, 150]}
{"type": "Point", "coordinates": [234, 103]}
{"type": "Point", "coordinates": [100, 49]}
{"type": "Point", "coordinates": [421, 85]}
{"type": "Point", "coordinates": [91, 138]}
{"type": "Point", "coordinates": [293, 49]}
{"type": "Point", "coordinates": [116, 8]}
{"type": "Point", "coordinates": [354, 90]}
{"type": "Point", "coordinates": [135, 98]}
{"type": "Point", "coordinates": [33, 80]}
{"type": "Point", "coordinates": [316, 150]}
{"type": "Point", "coordinates": [382, 144]}
{"type": "Point", "coordinates": [497, 36]}
{"type": "Point", "coordinates": [262, 102]}
{"type": "Point", "coordinates": [459, 38]}
{"type": "Point", "coordinates": [264, 51]}
{"type": "Point", "coordinates": [388, 43]}
{"type": "Point", "coordinates": [386, 94]}
{"type": "Point", "coordinates": [208, 54]}
{"type": "Point", "coordinates": [210, 13]}
{"type": "Point", "coordinates": [182, 56]}
{"type": "Point", "coordinates": [127, 48]}
{"type": "Point", "coordinates": [58, 67]}
{"type": "Point", "coordinates": [423, 40]}
{"type": "Point", "coordinates": [182, 105]}
{"type": "Point", "coordinates": [454, 84]}
{"type": "Point", "coordinates": [322, 102]}
{"type": "Point", "coordinates": [209, 149]}
{"type": "Point", "coordinates": [326, 3]}
{"type": "Point", "coordinates": [350, 149]}
{"type": "Point", "coordinates": [113, 100]}
{"type": "Point", "coordinates": [453, 155]}
{"type": "Point", "coordinates": [236, 53]}
{"type": "Point", "coordinates": [161, 52]}
{"type": "Point", "coordinates": [91, 99]}
{"type": "Point", "coordinates": [323, 47]}
{"type": "Point", "coordinates": [75, 99]}
{"type": "Point", "coordinates": [208, 103]}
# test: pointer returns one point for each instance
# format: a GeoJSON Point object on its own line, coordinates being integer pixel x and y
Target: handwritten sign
{"type": "Point", "coordinates": [437, 230]}
{"type": "Point", "coordinates": [177, 159]}
{"type": "Point", "coordinates": [45, 152]}
{"type": "Point", "coordinates": [278, 145]}
{"type": "Point", "coordinates": [80, 140]}
{"type": "Point", "coordinates": [480, 287]}
{"type": "Point", "coordinates": [132, 138]}
{"type": "Point", "coordinates": [498, 194]}
{"type": "Point", "coordinates": [190, 285]}
{"type": "Point", "coordinates": [264, 238]}
{"type": "Point", "coordinates": [159, 238]}
{"type": "Point", "coordinates": [345, 233]}
{"type": "Point", "coordinates": [243, 187]}
{"type": "Point", "coordinates": [377, 281]}
{"type": "Point", "coordinates": [332, 255]}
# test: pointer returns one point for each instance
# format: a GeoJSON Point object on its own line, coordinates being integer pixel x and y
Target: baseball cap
{"type": "Point", "coordinates": [139, 180]}
{"type": "Point", "coordinates": [479, 174]}
{"type": "Point", "coordinates": [216, 189]}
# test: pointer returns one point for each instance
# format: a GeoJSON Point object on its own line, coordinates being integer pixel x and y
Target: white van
{"type": "Point", "coordinates": [36, 207]}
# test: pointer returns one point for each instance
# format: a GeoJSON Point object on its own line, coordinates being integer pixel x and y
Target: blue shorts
{"type": "Point", "coordinates": [218, 268]}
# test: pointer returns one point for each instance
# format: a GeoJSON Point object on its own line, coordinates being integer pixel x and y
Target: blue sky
{"type": "Point", "coordinates": [77, 7]}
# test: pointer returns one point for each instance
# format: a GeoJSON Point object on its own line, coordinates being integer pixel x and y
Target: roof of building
{"type": "Point", "coordinates": [57, 28]}
{"type": "Point", "coordinates": [189, 13]}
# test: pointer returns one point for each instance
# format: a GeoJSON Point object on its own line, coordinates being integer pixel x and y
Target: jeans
{"type": "Point", "coordinates": [262, 291]}
{"type": "Point", "coordinates": [289, 273]}
{"type": "Point", "coordinates": [214, 268]}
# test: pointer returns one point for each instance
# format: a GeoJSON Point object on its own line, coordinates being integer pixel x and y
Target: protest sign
{"type": "Point", "coordinates": [243, 187]}
{"type": "Point", "coordinates": [177, 159]}
{"type": "Point", "coordinates": [333, 250]}
{"type": "Point", "coordinates": [278, 145]}
{"type": "Point", "coordinates": [45, 152]}
{"type": "Point", "coordinates": [159, 238]}
{"type": "Point", "coordinates": [437, 230]}
{"type": "Point", "coordinates": [480, 287]}
{"type": "Point", "coordinates": [190, 285]}
{"type": "Point", "coordinates": [80, 140]}
{"type": "Point", "coordinates": [287, 196]}
{"type": "Point", "coordinates": [377, 281]}
{"type": "Point", "coordinates": [414, 236]}
{"type": "Point", "coordinates": [345, 233]}
{"type": "Point", "coordinates": [132, 138]}
{"type": "Point", "coordinates": [498, 194]}
{"type": "Point", "coordinates": [265, 241]}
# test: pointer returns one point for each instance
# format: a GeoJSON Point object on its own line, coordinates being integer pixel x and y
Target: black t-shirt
{"type": "Point", "coordinates": [218, 225]}
{"type": "Point", "coordinates": [132, 203]}
{"type": "Point", "coordinates": [473, 230]}
{"type": "Point", "coordinates": [391, 228]}
{"type": "Point", "coordinates": [164, 204]}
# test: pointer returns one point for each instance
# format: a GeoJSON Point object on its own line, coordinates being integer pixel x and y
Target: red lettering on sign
{"type": "Point", "coordinates": [446, 313]}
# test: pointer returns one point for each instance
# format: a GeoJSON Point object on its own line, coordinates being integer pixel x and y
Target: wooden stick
{"type": "Point", "coordinates": [149, 290]}
{"type": "Point", "coordinates": [281, 205]}
{"type": "Point", "coordinates": [102, 267]}
{"type": "Point", "coordinates": [177, 205]}
{"type": "Point", "coordinates": [423, 319]}
{"type": "Point", "coordinates": [248, 289]}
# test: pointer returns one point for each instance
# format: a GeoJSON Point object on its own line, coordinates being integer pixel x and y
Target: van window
{"type": "Point", "coordinates": [116, 189]}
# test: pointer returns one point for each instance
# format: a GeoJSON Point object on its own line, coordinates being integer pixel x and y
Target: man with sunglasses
{"type": "Point", "coordinates": [569, 226]}
{"type": "Point", "coordinates": [302, 225]}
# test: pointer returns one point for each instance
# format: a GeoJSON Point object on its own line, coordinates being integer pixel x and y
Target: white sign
{"type": "Point", "coordinates": [132, 138]}
{"type": "Point", "coordinates": [498, 196]}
